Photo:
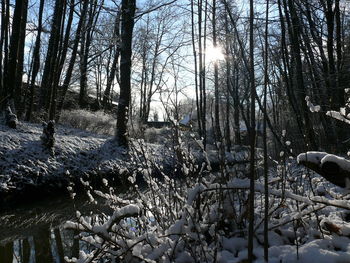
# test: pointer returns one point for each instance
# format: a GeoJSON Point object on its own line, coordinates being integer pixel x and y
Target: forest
{"type": "Point", "coordinates": [174, 131]}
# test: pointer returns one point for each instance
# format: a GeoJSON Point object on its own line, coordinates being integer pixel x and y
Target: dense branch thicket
{"type": "Point", "coordinates": [50, 48]}
{"type": "Point", "coordinates": [271, 75]}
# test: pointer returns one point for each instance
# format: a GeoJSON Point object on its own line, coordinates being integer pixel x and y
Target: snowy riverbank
{"type": "Point", "coordinates": [27, 169]}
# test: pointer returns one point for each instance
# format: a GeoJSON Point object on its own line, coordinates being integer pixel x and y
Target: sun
{"type": "Point", "coordinates": [214, 54]}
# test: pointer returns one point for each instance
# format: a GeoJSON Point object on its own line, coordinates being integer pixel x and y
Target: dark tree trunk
{"type": "Point", "coordinates": [339, 45]}
{"type": "Point", "coordinates": [3, 43]}
{"type": "Point", "coordinates": [216, 81]}
{"type": "Point", "coordinates": [60, 61]}
{"type": "Point", "coordinates": [287, 72]}
{"type": "Point", "coordinates": [35, 62]}
{"type": "Point", "coordinates": [42, 246]}
{"type": "Point", "coordinates": [337, 95]}
{"type": "Point", "coordinates": [236, 104]}
{"type": "Point", "coordinates": [112, 74]}
{"type": "Point", "coordinates": [51, 57]}
{"type": "Point", "coordinates": [11, 68]}
{"type": "Point", "coordinates": [228, 87]}
{"type": "Point", "coordinates": [19, 67]}
{"type": "Point", "coordinates": [195, 70]}
{"type": "Point", "coordinates": [59, 243]}
{"type": "Point", "coordinates": [73, 57]}
{"type": "Point", "coordinates": [85, 50]}
{"type": "Point", "coordinates": [127, 25]}
{"type": "Point", "coordinates": [201, 60]}
{"type": "Point", "coordinates": [252, 134]}
{"type": "Point", "coordinates": [26, 250]}
{"type": "Point", "coordinates": [297, 67]}
{"type": "Point", "coordinates": [266, 188]}
{"type": "Point", "coordinates": [6, 253]}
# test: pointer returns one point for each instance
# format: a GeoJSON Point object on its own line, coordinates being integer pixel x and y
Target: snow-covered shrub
{"type": "Point", "coordinates": [158, 136]}
{"type": "Point", "coordinates": [191, 213]}
{"type": "Point", "coordinates": [181, 216]}
{"type": "Point", "coordinates": [97, 122]}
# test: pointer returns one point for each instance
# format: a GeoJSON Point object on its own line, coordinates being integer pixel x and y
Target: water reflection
{"type": "Point", "coordinates": [34, 234]}
{"type": "Point", "coordinates": [45, 246]}
{"type": "Point", "coordinates": [6, 253]}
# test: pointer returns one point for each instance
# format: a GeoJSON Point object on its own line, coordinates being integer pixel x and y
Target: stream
{"type": "Point", "coordinates": [33, 233]}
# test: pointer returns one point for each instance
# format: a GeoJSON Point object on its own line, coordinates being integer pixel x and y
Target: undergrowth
{"type": "Point", "coordinates": [97, 121]}
{"type": "Point", "coordinates": [200, 215]}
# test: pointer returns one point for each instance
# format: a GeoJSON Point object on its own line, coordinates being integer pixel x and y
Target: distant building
{"type": "Point", "coordinates": [186, 122]}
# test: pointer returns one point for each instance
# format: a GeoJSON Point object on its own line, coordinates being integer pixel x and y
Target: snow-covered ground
{"type": "Point", "coordinates": [309, 218]}
{"type": "Point", "coordinates": [26, 164]}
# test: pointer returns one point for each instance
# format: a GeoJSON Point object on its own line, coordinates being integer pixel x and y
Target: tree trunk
{"type": "Point", "coordinates": [12, 67]}
{"type": "Point", "coordinates": [228, 87]}
{"type": "Point", "coordinates": [287, 72]}
{"type": "Point", "coordinates": [112, 74]}
{"type": "Point", "coordinates": [51, 57]}
{"type": "Point", "coordinates": [35, 62]}
{"type": "Point", "coordinates": [69, 72]}
{"type": "Point", "coordinates": [218, 135]}
{"type": "Point", "coordinates": [266, 188]}
{"type": "Point", "coordinates": [26, 250]}
{"type": "Point", "coordinates": [298, 80]}
{"type": "Point", "coordinates": [127, 25]}
{"type": "Point", "coordinates": [6, 253]}
{"type": "Point", "coordinates": [19, 67]}
{"type": "Point", "coordinates": [252, 134]}
{"type": "Point", "coordinates": [3, 43]}
{"type": "Point", "coordinates": [59, 243]}
{"type": "Point", "coordinates": [195, 70]}
{"type": "Point", "coordinates": [236, 105]}
{"type": "Point", "coordinates": [85, 50]}
{"type": "Point", "coordinates": [201, 61]}
{"type": "Point", "coordinates": [60, 61]}
{"type": "Point", "coordinates": [42, 246]}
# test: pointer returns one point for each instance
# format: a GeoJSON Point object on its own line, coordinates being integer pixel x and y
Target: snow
{"type": "Point", "coordinates": [342, 162]}
{"type": "Point", "coordinates": [312, 107]}
{"type": "Point", "coordinates": [173, 227]}
{"type": "Point", "coordinates": [25, 163]}
{"type": "Point", "coordinates": [192, 193]}
{"type": "Point", "coordinates": [313, 157]}
{"type": "Point", "coordinates": [338, 115]}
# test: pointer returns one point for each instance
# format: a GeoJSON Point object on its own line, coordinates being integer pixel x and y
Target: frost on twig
{"type": "Point", "coordinates": [344, 113]}
{"type": "Point", "coordinates": [244, 184]}
{"type": "Point", "coordinates": [339, 115]}
{"type": "Point", "coordinates": [312, 107]}
{"type": "Point", "coordinates": [102, 234]}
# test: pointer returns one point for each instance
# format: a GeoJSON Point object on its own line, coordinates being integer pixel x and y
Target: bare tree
{"type": "Point", "coordinates": [88, 29]}
{"type": "Point", "coordinates": [114, 67]}
{"type": "Point", "coordinates": [14, 67]}
{"type": "Point", "coordinates": [5, 15]}
{"type": "Point", "coordinates": [127, 26]}
{"type": "Point", "coordinates": [51, 61]}
{"type": "Point", "coordinates": [216, 79]}
{"type": "Point", "coordinates": [70, 68]}
{"type": "Point", "coordinates": [266, 195]}
{"type": "Point", "coordinates": [35, 62]}
{"type": "Point", "coordinates": [252, 133]}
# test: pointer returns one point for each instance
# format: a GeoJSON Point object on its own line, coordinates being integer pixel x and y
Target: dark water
{"type": "Point", "coordinates": [34, 233]}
